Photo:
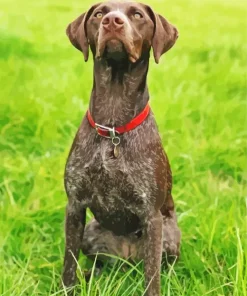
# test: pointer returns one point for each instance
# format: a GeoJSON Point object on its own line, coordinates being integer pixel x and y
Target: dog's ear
{"type": "Point", "coordinates": [77, 32]}
{"type": "Point", "coordinates": [165, 35]}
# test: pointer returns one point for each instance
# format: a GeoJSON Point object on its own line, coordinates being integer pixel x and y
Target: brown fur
{"type": "Point", "coordinates": [130, 196]}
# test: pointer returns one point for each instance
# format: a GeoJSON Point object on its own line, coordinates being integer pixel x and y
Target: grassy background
{"type": "Point", "coordinates": [198, 95]}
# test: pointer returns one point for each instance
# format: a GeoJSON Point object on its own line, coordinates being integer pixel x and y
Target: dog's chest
{"type": "Point", "coordinates": [115, 189]}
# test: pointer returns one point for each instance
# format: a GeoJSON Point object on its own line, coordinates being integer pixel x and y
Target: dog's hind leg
{"type": "Point", "coordinates": [171, 232]}
{"type": "Point", "coordinates": [101, 245]}
{"type": "Point", "coordinates": [99, 242]}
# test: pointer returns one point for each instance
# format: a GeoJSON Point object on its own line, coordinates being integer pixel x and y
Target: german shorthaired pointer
{"type": "Point", "coordinates": [117, 167]}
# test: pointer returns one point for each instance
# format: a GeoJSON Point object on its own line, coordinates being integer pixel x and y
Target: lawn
{"type": "Point", "coordinates": [198, 94]}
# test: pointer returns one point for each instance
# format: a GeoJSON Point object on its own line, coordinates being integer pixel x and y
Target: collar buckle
{"type": "Point", "coordinates": [102, 131]}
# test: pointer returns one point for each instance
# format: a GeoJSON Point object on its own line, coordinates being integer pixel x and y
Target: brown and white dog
{"type": "Point", "coordinates": [117, 167]}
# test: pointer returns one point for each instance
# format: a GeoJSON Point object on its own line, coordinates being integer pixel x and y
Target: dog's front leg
{"type": "Point", "coordinates": [152, 255]}
{"type": "Point", "coordinates": [74, 229]}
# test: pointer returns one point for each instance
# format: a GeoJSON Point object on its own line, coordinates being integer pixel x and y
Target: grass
{"type": "Point", "coordinates": [198, 94]}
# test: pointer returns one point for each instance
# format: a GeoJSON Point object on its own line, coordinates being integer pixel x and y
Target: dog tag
{"type": "Point", "coordinates": [116, 142]}
{"type": "Point", "coordinates": [116, 151]}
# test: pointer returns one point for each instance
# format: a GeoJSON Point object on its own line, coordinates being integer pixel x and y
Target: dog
{"type": "Point", "coordinates": [117, 166]}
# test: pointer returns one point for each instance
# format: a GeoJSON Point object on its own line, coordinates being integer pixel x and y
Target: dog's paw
{"type": "Point", "coordinates": [171, 239]}
{"type": "Point", "coordinates": [92, 273]}
{"type": "Point", "coordinates": [171, 248]}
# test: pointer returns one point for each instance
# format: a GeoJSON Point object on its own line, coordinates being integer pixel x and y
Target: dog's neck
{"type": "Point", "coordinates": [119, 91]}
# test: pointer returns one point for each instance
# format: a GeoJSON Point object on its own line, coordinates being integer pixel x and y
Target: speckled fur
{"type": "Point", "coordinates": [128, 195]}
{"type": "Point", "coordinates": [98, 241]}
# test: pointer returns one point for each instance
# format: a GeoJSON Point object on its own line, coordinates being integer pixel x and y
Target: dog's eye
{"type": "Point", "coordinates": [98, 15]}
{"type": "Point", "coordinates": [138, 15]}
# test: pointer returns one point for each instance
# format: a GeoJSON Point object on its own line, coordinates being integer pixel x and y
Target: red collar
{"type": "Point", "coordinates": [109, 132]}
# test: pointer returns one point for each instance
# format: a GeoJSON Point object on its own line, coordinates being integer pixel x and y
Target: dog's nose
{"type": "Point", "coordinates": [113, 21]}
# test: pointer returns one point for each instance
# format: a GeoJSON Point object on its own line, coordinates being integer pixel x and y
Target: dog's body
{"type": "Point", "coordinates": [128, 193]}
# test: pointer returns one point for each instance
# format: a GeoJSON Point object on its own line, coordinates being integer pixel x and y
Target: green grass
{"type": "Point", "coordinates": [198, 94]}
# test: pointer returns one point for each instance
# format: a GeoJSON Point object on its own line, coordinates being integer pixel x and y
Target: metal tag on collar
{"type": "Point", "coordinates": [112, 135]}
{"type": "Point", "coordinates": [116, 142]}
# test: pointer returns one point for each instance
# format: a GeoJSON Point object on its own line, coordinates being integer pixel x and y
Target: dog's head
{"type": "Point", "coordinates": [121, 29]}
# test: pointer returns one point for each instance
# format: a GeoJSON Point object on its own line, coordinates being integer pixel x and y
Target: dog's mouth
{"type": "Point", "coordinates": [116, 46]}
